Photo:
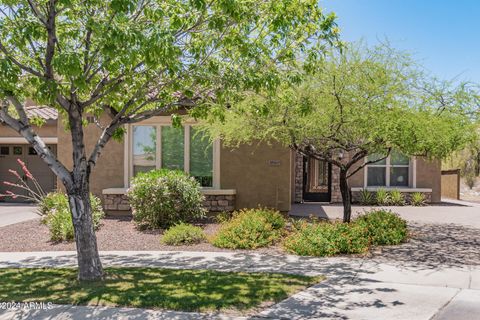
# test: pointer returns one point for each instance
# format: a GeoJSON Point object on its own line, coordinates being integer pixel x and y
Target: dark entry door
{"type": "Point", "coordinates": [317, 180]}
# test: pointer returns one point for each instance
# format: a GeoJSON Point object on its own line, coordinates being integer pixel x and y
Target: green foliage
{"type": "Point", "coordinates": [397, 198]}
{"type": "Point", "coordinates": [162, 198]}
{"type": "Point", "coordinates": [250, 229]}
{"type": "Point", "coordinates": [183, 234]}
{"type": "Point", "coordinates": [140, 287]}
{"type": "Point", "coordinates": [178, 46]}
{"type": "Point", "coordinates": [327, 239]}
{"type": "Point", "coordinates": [57, 216]}
{"type": "Point", "coordinates": [382, 197]}
{"type": "Point", "coordinates": [383, 227]}
{"type": "Point", "coordinates": [366, 197]}
{"type": "Point", "coordinates": [378, 91]}
{"type": "Point", "coordinates": [417, 199]}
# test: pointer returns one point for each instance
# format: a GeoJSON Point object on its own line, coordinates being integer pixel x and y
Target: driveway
{"type": "Point", "coordinates": [11, 213]}
{"type": "Point", "coordinates": [457, 212]}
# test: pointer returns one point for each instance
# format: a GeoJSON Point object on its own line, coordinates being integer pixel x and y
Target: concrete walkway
{"type": "Point", "coordinates": [11, 213]}
{"type": "Point", "coordinates": [356, 288]}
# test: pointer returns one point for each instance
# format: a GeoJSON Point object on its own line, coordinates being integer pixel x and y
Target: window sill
{"type": "Point", "coordinates": [205, 191]}
{"type": "Point", "coordinates": [401, 189]}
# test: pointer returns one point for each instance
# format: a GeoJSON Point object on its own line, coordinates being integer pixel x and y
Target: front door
{"type": "Point", "coordinates": [316, 180]}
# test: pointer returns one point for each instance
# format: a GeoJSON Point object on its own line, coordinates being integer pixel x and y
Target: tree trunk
{"type": "Point", "coordinates": [89, 264]}
{"type": "Point", "coordinates": [346, 196]}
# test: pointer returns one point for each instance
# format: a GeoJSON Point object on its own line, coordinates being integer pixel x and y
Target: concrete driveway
{"type": "Point", "coordinates": [457, 212]}
{"type": "Point", "coordinates": [11, 213]}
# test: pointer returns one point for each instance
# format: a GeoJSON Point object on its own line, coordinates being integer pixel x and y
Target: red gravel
{"type": "Point", "coordinates": [114, 234]}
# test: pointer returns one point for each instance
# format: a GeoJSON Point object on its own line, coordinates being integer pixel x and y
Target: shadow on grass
{"type": "Point", "coordinates": [185, 290]}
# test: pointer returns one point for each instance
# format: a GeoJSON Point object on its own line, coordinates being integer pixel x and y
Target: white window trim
{"type": "Point", "coordinates": [166, 120]}
{"type": "Point", "coordinates": [412, 173]}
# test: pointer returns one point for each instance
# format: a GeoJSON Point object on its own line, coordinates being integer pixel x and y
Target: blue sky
{"type": "Point", "coordinates": [444, 35]}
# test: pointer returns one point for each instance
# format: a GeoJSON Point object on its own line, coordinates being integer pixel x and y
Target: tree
{"type": "Point", "coordinates": [356, 103]}
{"type": "Point", "coordinates": [133, 59]}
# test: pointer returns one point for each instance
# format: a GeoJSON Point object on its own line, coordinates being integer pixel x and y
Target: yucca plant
{"type": "Point", "coordinates": [382, 197]}
{"type": "Point", "coordinates": [366, 197]}
{"type": "Point", "coordinates": [417, 199]}
{"type": "Point", "coordinates": [397, 198]}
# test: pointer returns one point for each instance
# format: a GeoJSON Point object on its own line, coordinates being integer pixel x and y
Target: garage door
{"type": "Point", "coordinates": [9, 153]}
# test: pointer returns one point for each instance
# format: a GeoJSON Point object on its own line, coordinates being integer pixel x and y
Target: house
{"type": "Point", "coordinates": [249, 176]}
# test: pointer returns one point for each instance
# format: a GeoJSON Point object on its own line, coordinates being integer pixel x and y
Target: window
{"type": "Point", "coordinates": [394, 171]}
{"type": "Point", "coordinates": [165, 146]}
{"type": "Point", "coordinates": [17, 151]}
{"type": "Point", "coordinates": [4, 151]}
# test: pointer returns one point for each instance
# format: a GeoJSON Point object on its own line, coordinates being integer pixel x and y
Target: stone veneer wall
{"type": "Point", "coordinates": [219, 203]}
{"type": "Point", "coordinates": [298, 178]}
{"type": "Point", "coordinates": [213, 203]}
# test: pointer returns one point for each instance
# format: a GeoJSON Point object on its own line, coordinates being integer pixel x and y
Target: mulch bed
{"type": "Point", "coordinates": [115, 234]}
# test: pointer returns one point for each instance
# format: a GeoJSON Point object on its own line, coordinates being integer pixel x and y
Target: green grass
{"type": "Point", "coordinates": [186, 290]}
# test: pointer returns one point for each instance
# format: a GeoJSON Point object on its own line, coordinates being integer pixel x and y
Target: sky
{"type": "Point", "coordinates": [444, 35]}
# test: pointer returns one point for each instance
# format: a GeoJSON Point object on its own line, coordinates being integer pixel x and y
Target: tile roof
{"type": "Point", "coordinates": [46, 113]}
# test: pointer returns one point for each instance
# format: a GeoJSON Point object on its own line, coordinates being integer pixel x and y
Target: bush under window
{"type": "Point", "coordinates": [162, 198]}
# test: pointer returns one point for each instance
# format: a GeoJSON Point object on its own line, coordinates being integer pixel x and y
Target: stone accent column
{"type": "Point", "coordinates": [298, 172]}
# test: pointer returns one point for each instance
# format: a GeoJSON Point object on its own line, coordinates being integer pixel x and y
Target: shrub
{"type": "Point", "coordinates": [366, 197]}
{"type": "Point", "coordinates": [327, 239]}
{"type": "Point", "coordinates": [383, 227]}
{"type": "Point", "coordinates": [162, 198]}
{"type": "Point", "coordinates": [382, 197]}
{"type": "Point", "coordinates": [182, 234]}
{"type": "Point", "coordinates": [58, 218]}
{"type": "Point", "coordinates": [250, 229]}
{"type": "Point", "coordinates": [470, 179]}
{"type": "Point", "coordinates": [417, 199]}
{"type": "Point", "coordinates": [397, 198]}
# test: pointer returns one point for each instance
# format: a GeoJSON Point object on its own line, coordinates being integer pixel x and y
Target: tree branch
{"type": "Point", "coordinates": [366, 163]}
{"type": "Point", "coordinates": [40, 147]}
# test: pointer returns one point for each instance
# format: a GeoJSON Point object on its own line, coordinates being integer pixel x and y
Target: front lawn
{"type": "Point", "coordinates": [186, 290]}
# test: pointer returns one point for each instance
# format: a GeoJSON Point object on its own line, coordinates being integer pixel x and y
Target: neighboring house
{"type": "Point", "coordinates": [248, 176]}
{"type": "Point", "coordinates": [14, 147]}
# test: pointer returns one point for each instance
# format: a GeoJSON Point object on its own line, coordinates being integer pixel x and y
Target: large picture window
{"type": "Point", "coordinates": [165, 146]}
{"type": "Point", "coordinates": [394, 171]}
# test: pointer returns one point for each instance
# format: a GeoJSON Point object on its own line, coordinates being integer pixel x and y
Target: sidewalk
{"type": "Point", "coordinates": [355, 288]}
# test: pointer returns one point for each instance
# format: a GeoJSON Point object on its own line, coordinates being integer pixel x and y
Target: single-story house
{"type": "Point", "coordinates": [249, 176]}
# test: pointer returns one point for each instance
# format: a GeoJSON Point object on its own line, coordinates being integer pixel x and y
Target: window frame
{"type": "Point", "coordinates": [411, 173]}
{"type": "Point", "coordinates": [158, 122]}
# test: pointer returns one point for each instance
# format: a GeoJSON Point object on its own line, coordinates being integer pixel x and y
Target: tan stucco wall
{"type": "Point", "coordinates": [429, 175]}
{"type": "Point", "coordinates": [108, 173]}
{"type": "Point", "coordinates": [451, 184]}
{"type": "Point", "coordinates": [47, 130]}
{"type": "Point", "coordinates": [260, 173]}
